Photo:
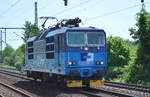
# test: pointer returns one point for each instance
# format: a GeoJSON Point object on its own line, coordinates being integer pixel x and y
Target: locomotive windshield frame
{"type": "Point", "coordinates": [85, 38]}
{"type": "Point", "coordinates": [95, 39]}
{"type": "Point", "coordinates": [76, 39]}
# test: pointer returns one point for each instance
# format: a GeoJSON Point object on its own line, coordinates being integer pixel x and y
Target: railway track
{"type": "Point", "coordinates": [139, 88]}
{"type": "Point", "coordinates": [13, 92]}
{"type": "Point", "coordinates": [93, 92]}
{"type": "Point", "coordinates": [1, 95]}
{"type": "Point", "coordinates": [14, 73]}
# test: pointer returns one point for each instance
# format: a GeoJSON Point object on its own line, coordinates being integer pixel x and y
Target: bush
{"type": "Point", "coordinates": [118, 57]}
{"type": "Point", "coordinates": [113, 72]}
{"type": "Point", "coordinates": [9, 60]}
{"type": "Point", "coordinates": [118, 51]}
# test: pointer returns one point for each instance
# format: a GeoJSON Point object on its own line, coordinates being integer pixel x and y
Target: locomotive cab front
{"type": "Point", "coordinates": [86, 54]}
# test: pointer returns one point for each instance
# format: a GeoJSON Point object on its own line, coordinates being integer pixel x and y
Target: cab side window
{"type": "Point", "coordinates": [61, 41]}
{"type": "Point", "coordinates": [30, 50]}
{"type": "Point", "coordinates": [50, 47]}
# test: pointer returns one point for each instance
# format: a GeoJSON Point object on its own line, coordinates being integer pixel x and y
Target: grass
{"type": "Point", "coordinates": [148, 83]}
{"type": "Point", "coordinates": [7, 66]}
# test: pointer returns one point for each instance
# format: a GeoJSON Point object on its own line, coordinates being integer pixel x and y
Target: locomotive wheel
{"type": "Point", "coordinates": [61, 81]}
{"type": "Point", "coordinates": [87, 84]}
{"type": "Point", "coordinates": [44, 77]}
{"type": "Point", "coordinates": [35, 78]}
{"type": "Point", "coordinates": [64, 82]}
{"type": "Point", "coordinates": [28, 74]}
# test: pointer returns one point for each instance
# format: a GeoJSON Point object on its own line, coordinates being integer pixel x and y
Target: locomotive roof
{"type": "Point", "coordinates": [57, 31]}
{"type": "Point", "coordinates": [64, 29]}
{"type": "Point", "coordinates": [48, 32]}
{"type": "Point", "coordinates": [31, 39]}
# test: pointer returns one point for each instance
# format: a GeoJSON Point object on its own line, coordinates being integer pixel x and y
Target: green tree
{"type": "Point", "coordinates": [8, 50]}
{"type": "Point", "coordinates": [8, 55]}
{"type": "Point", "coordinates": [141, 33]}
{"type": "Point", "coordinates": [19, 58]}
{"type": "Point", "coordinates": [30, 30]}
{"type": "Point", "coordinates": [118, 51]}
{"type": "Point", "coordinates": [118, 56]}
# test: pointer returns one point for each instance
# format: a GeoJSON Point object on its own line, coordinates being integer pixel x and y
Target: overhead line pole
{"type": "Point", "coordinates": [143, 5]}
{"type": "Point", "coordinates": [36, 15]}
{"type": "Point", "coordinates": [1, 40]}
{"type": "Point", "coordinates": [5, 35]}
{"type": "Point", "coordinates": [1, 54]}
{"type": "Point", "coordinates": [5, 28]}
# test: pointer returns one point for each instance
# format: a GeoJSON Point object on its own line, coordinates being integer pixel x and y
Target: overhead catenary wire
{"type": "Point", "coordinates": [75, 6]}
{"type": "Point", "coordinates": [10, 7]}
{"type": "Point", "coordinates": [90, 6]}
{"type": "Point", "coordinates": [113, 12]}
{"type": "Point", "coordinates": [46, 5]}
{"type": "Point", "coordinates": [14, 39]}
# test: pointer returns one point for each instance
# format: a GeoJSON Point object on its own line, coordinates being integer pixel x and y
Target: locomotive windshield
{"type": "Point", "coordinates": [85, 38]}
{"type": "Point", "coordinates": [76, 39]}
{"type": "Point", "coordinates": [95, 39]}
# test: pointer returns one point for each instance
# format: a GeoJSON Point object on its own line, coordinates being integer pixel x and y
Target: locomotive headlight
{"type": "Point", "coordinates": [86, 48]}
{"type": "Point", "coordinates": [71, 63]}
{"type": "Point", "coordinates": [99, 62]}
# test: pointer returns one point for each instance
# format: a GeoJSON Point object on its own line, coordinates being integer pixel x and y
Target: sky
{"type": "Point", "coordinates": [114, 16]}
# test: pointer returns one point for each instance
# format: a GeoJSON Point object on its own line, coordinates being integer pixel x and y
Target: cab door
{"type": "Point", "coordinates": [60, 51]}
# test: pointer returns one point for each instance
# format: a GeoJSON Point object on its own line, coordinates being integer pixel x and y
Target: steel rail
{"type": "Point", "coordinates": [94, 92]}
{"type": "Point", "coordinates": [1, 95]}
{"type": "Point", "coordinates": [15, 90]}
{"type": "Point", "coordinates": [139, 88]}
{"type": "Point", "coordinates": [136, 85]}
{"type": "Point", "coordinates": [113, 93]}
{"type": "Point", "coordinates": [18, 75]}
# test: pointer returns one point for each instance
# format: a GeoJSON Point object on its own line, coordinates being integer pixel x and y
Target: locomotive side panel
{"type": "Point", "coordinates": [29, 53]}
{"type": "Point", "coordinates": [39, 62]}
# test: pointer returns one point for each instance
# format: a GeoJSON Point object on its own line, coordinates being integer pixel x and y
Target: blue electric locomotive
{"type": "Point", "coordinates": [75, 54]}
